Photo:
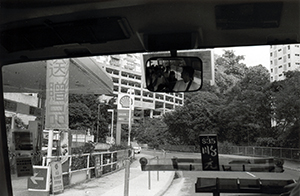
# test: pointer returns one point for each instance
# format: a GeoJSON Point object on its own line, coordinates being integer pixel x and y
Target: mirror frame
{"type": "Point", "coordinates": [197, 69]}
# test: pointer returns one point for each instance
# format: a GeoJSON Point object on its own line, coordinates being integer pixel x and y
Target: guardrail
{"type": "Point", "coordinates": [78, 168]}
{"type": "Point", "coordinates": [276, 152]}
{"type": "Point", "coordinates": [281, 153]}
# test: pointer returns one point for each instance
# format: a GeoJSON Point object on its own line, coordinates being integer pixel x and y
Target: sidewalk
{"type": "Point", "coordinates": [113, 184]}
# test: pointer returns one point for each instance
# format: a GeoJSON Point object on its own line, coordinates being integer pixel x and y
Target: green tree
{"type": "Point", "coordinates": [79, 116]}
{"type": "Point", "coordinates": [246, 114]}
{"type": "Point", "coordinates": [83, 114]}
{"type": "Point", "coordinates": [228, 70]}
{"type": "Point", "coordinates": [286, 106]}
{"type": "Point", "coordinates": [237, 108]}
{"type": "Point", "coordinates": [186, 123]}
{"type": "Point", "coordinates": [152, 131]}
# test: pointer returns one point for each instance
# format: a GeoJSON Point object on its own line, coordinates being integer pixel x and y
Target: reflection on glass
{"type": "Point", "coordinates": [180, 74]}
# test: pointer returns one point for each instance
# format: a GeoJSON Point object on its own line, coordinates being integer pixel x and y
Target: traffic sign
{"type": "Point", "coordinates": [57, 180]}
{"type": "Point", "coordinates": [40, 179]}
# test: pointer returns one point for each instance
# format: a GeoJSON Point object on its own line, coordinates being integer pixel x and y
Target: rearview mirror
{"type": "Point", "coordinates": [174, 74]}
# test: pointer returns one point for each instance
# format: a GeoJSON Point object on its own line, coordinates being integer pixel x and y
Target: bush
{"type": "Point", "coordinates": [118, 147]}
{"type": "Point", "coordinates": [87, 148]}
{"type": "Point", "coordinates": [266, 142]}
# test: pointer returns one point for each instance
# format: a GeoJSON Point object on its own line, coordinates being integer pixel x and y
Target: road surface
{"type": "Point", "coordinates": [184, 184]}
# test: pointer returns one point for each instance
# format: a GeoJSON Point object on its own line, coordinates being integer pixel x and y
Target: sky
{"type": "Point", "coordinates": [254, 55]}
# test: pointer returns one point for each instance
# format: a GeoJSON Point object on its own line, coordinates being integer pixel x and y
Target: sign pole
{"type": "Point", "coordinates": [129, 125]}
{"type": "Point", "coordinates": [131, 107]}
{"type": "Point", "coordinates": [127, 172]}
{"type": "Point", "coordinates": [50, 146]}
{"type": "Point", "coordinates": [112, 127]}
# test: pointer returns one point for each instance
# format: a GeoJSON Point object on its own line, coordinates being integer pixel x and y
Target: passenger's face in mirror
{"type": "Point", "coordinates": [187, 74]}
{"type": "Point", "coordinates": [182, 74]}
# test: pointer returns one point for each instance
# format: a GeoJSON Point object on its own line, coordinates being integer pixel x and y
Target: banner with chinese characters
{"type": "Point", "coordinates": [57, 95]}
{"type": "Point", "coordinates": [209, 152]}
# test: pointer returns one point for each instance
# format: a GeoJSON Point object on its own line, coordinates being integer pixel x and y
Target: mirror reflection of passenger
{"type": "Point", "coordinates": [187, 83]}
{"type": "Point", "coordinates": [152, 76]}
{"type": "Point", "coordinates": [171, 81]}
{"type": "Point", "coordinates": [168, 82]}
{"type": "Point", "coordinates": [160, 78]}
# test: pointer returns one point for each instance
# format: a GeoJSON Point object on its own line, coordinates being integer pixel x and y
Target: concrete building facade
{"type": "Point", "coordinates": [283, 58]}
{"type": "Point", "coordinates": [126, 72]}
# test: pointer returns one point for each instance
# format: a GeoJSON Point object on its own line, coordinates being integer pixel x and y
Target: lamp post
{"type": "Point", "coordinates": [98, 117]}
{"type": "Point", "coordinates": [112, 124]}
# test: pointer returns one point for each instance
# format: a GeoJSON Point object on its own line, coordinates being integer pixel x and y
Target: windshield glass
{"type": "Point", "coordinates": [81, 116]}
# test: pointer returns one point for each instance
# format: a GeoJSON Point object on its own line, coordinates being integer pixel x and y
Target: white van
{"type": "Point", "coordinates": [136, 147]}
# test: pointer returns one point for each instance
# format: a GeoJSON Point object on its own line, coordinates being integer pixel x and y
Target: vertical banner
{"type": "Point", "coordinates": [209, 152]}
{"type": "Point", "coordinates": [57, 97]}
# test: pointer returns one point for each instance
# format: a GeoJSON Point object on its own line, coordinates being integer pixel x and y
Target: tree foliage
{"type": "Point", "coordinates": [286, 108]}
{"type": "Point", "coordinates": [246, 114]}
{"type": "Point", "coordinates": [84, 114]}
{"type": "Point", "coordinates": [228, 70]}
{"type": "Point", "coordinates": [152, 131]}
{"type": "Point", "coordinates": [196, 117]}
{"type": "Point", "coordinates": [237, 108]}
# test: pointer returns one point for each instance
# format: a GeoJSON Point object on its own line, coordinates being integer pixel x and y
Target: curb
{"type": "Point", "coordinates": [168, 184]}
{"type": "Point", "coordinates": [292, 165]}
{"type": "Point", "coordinates": [291, 168]}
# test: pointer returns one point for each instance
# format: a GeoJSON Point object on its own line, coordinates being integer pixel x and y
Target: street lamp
{"type": "Point", "coordinates": [112, 124]}
{"type": "Point", "coordinates": [98, 117]}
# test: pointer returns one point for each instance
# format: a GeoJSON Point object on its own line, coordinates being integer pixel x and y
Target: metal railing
{"type": "Point", "coordinates": [277, 152]}
{"type": "Point", "coordinates": [281, 153]}
{"type": "Point", "coordinates": [71, 164]}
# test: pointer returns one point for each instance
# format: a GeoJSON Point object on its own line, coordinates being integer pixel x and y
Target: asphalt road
{"type": "Point", "coordinates": [184, 184]}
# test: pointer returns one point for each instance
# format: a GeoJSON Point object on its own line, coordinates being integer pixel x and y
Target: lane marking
{"type": "Point", "coordinates": [251, 174]}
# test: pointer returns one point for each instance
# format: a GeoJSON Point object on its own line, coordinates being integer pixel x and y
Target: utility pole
{"type": "Point", "coordinates": [98, 118]}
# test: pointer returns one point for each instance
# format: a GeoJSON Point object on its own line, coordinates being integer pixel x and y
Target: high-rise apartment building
{"type": "Point", "coordinates": [283, 58]}
{"type": "Point", "coordinates": [126, 72]}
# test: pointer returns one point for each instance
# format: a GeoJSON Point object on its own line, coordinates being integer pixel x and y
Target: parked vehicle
{"type": "Point", "coordinates": [136, 147]}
